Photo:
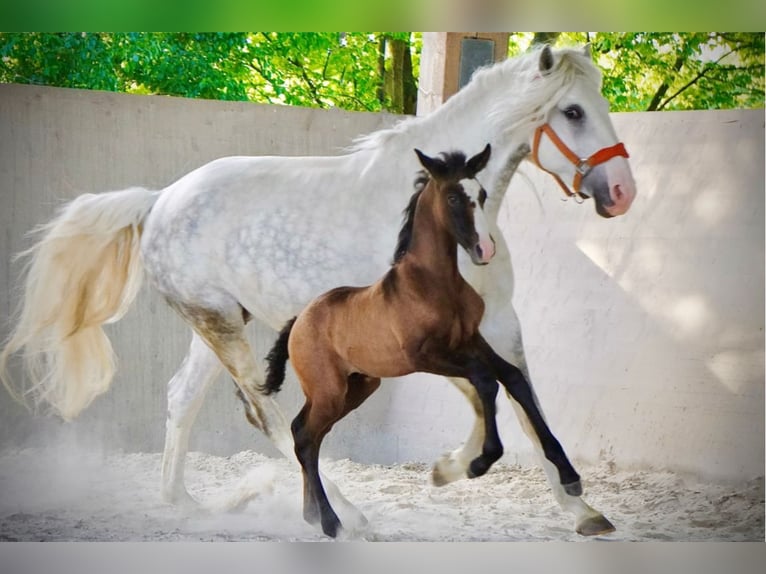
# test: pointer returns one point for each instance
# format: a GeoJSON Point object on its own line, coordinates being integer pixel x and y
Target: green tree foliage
{"type": "Point", "coordinates": [303, 69]}
{"type": "Point", "coordinates": [678, 71]}
{"type": "Point", "coordinates": [374, 71]}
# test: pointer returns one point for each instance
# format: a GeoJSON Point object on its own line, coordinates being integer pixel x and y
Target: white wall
{"type": "Point", "coordinates": [644, 333]}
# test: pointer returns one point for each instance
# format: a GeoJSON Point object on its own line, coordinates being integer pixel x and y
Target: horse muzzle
{"type": "Point", "coordinates": [483, 252]}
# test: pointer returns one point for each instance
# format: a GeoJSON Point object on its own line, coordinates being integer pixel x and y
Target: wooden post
{"type": "Point", "coordinates": [449, 57]}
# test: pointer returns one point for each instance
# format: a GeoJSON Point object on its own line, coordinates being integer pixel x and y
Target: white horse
{"type": "Point", "coordinates": [256, 238]}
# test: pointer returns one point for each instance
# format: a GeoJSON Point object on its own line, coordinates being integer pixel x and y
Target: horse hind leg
{"type": "Point", "coordinates": [224, 333]}
{"type": "Point", "coordinates": [316, 418]}
{"type": "Point", "coordinates": [186, 393]}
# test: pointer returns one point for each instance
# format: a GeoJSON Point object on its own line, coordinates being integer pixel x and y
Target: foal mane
{"type": "Point", "coordinates": [454, 163]}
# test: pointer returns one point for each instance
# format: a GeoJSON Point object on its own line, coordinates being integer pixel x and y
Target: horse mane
{"type": "Point", "coordinates": [453, 162]}
{"type": "Point", "coordinates": [523, 102]}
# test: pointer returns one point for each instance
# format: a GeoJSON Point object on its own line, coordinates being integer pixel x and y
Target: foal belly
{"type": "Point", "coordinates": [377, 359]}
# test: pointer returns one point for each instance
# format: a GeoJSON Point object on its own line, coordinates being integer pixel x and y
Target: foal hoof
{"type": "Point", "coordinates": [478, 467]}
{"type": "Point", "coordinates": [595, 526]}
{"type": "Point", "coordinates": [573, 488]}
{"type": "Point", "coordinates": [331, 528]}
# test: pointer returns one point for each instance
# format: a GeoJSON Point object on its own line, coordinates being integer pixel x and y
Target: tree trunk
{"type": "Point", "coordinates": [381, 91]}
{"type": "Point", "coordinates": [395, 75]}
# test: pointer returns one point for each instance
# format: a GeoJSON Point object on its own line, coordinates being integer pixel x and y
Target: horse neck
{"type": "Point", "coordinates": [432, 248]}
{"type": "Point", "coordinates": [463, 122]}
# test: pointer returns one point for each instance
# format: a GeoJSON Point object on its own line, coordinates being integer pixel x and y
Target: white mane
{"type": "Point", "coordinates": [521, 100]}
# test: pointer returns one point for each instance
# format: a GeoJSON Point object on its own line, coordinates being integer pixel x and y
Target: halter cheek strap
{"type": "Point", "coordinates": [582, 165]}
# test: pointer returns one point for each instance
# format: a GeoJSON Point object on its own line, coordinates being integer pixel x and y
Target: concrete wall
{"type": "Point", "coordinates": [644, 334]}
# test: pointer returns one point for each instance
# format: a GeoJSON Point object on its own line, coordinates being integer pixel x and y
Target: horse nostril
{"type": "Point", "coordinates": [617, 194]}
{"type": "Point", "coordinates": [479, 252]}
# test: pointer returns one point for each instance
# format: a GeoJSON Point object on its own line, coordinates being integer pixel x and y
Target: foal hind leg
{"type": "Point", "coordinates": [186, 393]}
{"type": "Point", "coordinates": [322, 409]}
{"type": "Point", "coordinates": [224, 332]}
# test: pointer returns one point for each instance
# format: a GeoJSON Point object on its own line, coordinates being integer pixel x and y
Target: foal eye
{"type": "Point", "coordinates": [574, 113]}
{"type": "Point", "coordinates": [453, 199]}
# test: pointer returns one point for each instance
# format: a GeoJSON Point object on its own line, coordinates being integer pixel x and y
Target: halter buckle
{"type": "Point", "coordinates": [583, 167]}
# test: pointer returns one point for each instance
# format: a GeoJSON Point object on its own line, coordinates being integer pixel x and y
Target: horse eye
{"type": "Point", "coordinates": [453, 199]}
{"type": "Point", "coordinates": [574, 113]}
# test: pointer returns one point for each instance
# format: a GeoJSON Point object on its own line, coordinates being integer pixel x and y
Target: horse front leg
{"type": "Point", "coordinates": [503, 333]}
{"type": "Point", "coordinates": [452, 466]}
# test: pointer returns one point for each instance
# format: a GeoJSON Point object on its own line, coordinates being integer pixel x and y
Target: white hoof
{"type": "Point", "coordinates": [448, 468]}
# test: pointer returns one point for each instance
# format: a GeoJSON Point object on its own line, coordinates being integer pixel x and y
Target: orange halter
{"type": "Point", "coordinates": [582, 165]}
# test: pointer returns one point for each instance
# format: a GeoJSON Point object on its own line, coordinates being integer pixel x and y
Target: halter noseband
{"type": "Point", "coordinates": [582, 165]}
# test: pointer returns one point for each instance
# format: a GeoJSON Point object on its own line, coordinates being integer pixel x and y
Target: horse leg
{"type": "Point", "coordinates": [186, 393]}
{"type": "Point", "coordinates": [453, 465]}
{"type": "Point", "coordinates": [321, 411]}
{"type": "Point", "coordinates": [519, 389]}
{"type": "Point", "coordinates": [486, 387]}
{"type": "Point", "coordinates": [588, 520]}
{"type": "Point", "coordinates": [224, 333]}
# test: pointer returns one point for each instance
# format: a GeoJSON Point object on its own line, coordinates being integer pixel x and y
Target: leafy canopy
{"type": "Point", "coordinates": [374, 71]}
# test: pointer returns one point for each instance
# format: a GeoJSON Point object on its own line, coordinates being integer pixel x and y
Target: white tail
{"type": "Point", "coordinates": [83, 272]}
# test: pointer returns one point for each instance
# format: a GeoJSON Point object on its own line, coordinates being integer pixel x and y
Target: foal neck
{"type": "Point", "coordinates": [432, 247]}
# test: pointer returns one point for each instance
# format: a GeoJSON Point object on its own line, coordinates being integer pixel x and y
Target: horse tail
{"type": "Point", "coordinates": [277, 360]}
{"type": "Point", "coordinates": [84, 271]}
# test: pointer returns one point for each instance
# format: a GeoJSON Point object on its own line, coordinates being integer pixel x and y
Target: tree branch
{"type": "Point", "coordinates": [664, 87]}
{"type": "Point", "coordinates": [694, 80]}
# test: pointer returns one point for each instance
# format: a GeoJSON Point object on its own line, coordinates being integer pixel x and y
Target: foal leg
{"type": "Point", "coordinates": [486, 387]}
{"type": "Point", "coordinates": [321, 411]}
{"type": "Point", "coordinates": [224, 333]}
{"type": "Point", "coordinates": [588, 520]}
{"type": "Point", "coordinates": [186, 393]}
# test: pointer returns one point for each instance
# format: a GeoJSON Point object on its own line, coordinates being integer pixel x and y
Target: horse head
{"type": "Point", "coordinates": [463, 198]}
{"type": "Point", "coordinates": [576, 141]}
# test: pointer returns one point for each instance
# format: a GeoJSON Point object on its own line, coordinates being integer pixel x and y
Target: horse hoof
{"type": "Point", "coordinates": [573, 488]}
{"type": "Point", "coordinates": [595, 526]}
{"type": "Point", "coordinates": [447, 470]}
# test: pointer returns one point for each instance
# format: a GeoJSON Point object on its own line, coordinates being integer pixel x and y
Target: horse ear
{"type": "Point", "coordinates": [479, 161]}
{"type": "Point", "coordinates": [587, 51]}
{"type": "Point", "coordinates": [546, 59]}
{"type": "Point", "coordinates": [433, 166]}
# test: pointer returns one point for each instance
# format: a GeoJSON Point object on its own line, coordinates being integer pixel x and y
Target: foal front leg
{"type": "Point", "coordinates": [517, 386]}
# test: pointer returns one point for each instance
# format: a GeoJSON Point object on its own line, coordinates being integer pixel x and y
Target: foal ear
{"type": "Point", "coordinates": [433, 166]}
{"type": "Point", "coordinates": [479, 161]}
{"type": "Point", "coordinates": [587, 51]}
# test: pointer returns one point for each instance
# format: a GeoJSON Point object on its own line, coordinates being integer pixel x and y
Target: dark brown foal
{"type": "Point", "coordinates": [422, 316]}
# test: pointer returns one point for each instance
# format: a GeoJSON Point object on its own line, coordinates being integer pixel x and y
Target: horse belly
{"type": "Point", "coordinates": [255, 240]}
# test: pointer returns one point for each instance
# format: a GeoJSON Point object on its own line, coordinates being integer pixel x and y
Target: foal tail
{"type": "Point", "coordinates": [277, 360]}
{"type": "Point", "coordinates": [84, 271]}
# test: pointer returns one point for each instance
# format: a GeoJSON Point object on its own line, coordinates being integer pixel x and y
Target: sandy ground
{"type": "Point", "coordinates": [49, 495]}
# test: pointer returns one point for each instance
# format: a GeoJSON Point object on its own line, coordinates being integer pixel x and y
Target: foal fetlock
{"type": "Point", "coordinates": [568, 476]}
